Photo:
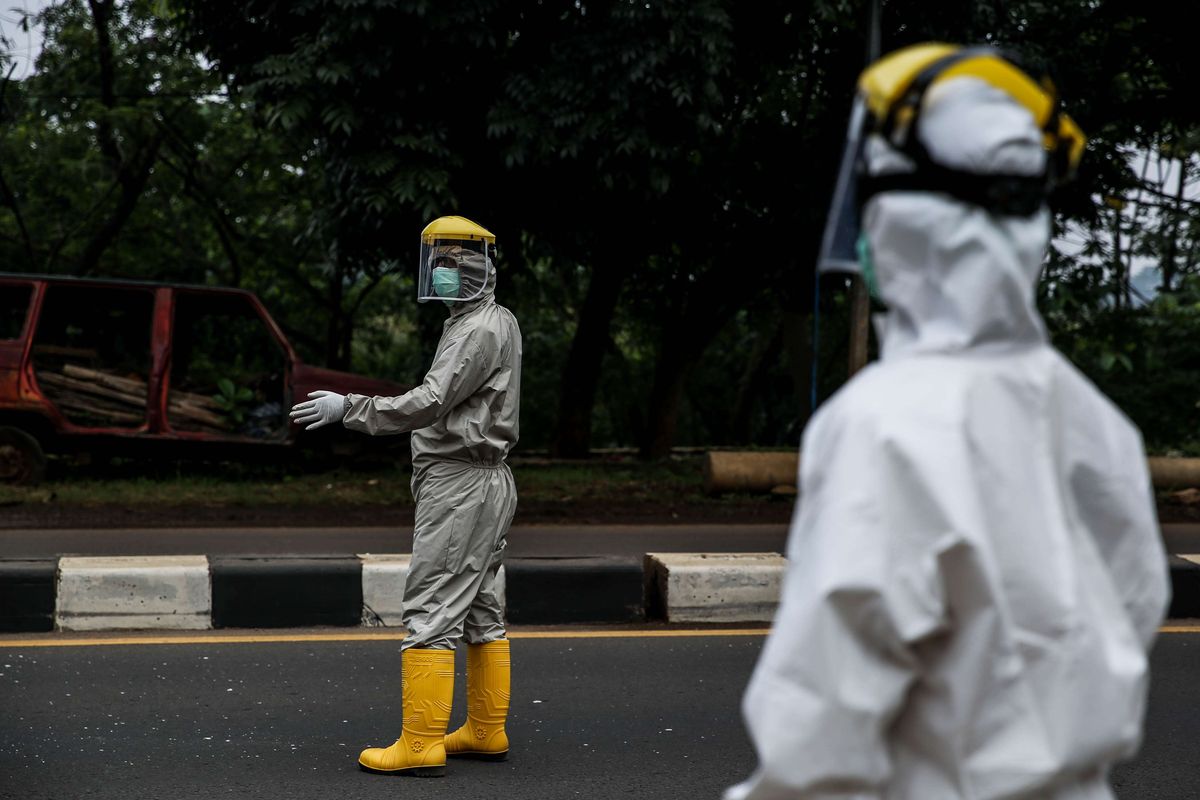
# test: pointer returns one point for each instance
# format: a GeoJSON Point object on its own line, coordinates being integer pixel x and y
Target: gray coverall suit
{"type": "Point", "coordinates": [464, 421]}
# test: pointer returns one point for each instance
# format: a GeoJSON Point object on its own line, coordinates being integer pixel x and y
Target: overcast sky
{"type": "Point", "coordinates": [23, 46]}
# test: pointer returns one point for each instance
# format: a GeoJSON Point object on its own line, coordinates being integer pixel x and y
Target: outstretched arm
{"type": "Point", "coordinates": [457, 373]}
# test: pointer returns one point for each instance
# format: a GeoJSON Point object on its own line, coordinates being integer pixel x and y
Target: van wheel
{"type": "Point", "coordinates": [21, 457]}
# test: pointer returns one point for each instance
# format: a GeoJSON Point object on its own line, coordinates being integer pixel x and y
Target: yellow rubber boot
{"type": "Point", "coordinates": [427, 690]}
{"type": "Point", "coordinates": [488, 676]}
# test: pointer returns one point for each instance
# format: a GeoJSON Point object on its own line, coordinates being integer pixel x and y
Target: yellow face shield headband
{"type": "Point", "coordinates": [894, 88]}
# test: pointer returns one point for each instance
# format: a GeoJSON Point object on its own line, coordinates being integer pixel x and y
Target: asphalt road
{"type": "Point", "coordinates": [524, 540]}
{"type": "Point", "coordinates": [626, 715]}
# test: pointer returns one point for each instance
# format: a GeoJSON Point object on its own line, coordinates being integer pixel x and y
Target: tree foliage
{"type": "Point", "coordinates": [658, 174]}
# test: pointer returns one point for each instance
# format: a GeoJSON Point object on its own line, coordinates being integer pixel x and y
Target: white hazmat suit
{"type": "Point", "coordinates": [975, 567]}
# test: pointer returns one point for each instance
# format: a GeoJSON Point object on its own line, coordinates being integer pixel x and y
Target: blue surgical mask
{"type": "Point", "coordinates": [866, 263]}
{"type": "Point", "coordinates": [446, 283]}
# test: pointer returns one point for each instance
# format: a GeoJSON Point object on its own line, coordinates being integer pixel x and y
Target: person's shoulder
{"type": "Point", "coordinates": [1081, 387]}
{"type": "Point", "coordinates": [886, 394]}
{"type": "Point", "coordinates": [504, 312]}
{"type": "Point", "coordinates": [501, 324]}
{"type": "Point", "coordinates": [1089, 413]}
{"type": "Point", "coordinates": [490, 327]}
{"type": "Point", "coordinates": [858, 412]}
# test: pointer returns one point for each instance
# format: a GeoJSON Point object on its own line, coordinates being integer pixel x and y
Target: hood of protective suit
{"type": "Point", "coordinates": [952, 274]}
{"type": "Point", "coordinates": [476, 264]}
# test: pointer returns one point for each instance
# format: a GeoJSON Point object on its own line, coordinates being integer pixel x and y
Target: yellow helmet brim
{"type": "Point", "coordinates": [886, 84]}
{"type": "Point", "coordinates": [458, 228]}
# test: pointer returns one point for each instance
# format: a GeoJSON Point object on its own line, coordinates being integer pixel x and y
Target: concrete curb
{"type": "Point", "coordinates": [1185, 587]}
{"type": "Point", "coordinates": [172, 592]}
{"type": "Point", "coordinates": [27, 594]}
{"type": "Point", "coordinates": [286, 592]}
{"type": "Point", "coordinates": [383, 579]}
{"type": "Point", "coordinates": [551, 591]}
{"type": "Point", "coordinates": [133, 592]}
{"type": "Point", "coordinates": [194, 592]}
{"type": "Point", "coordinates": [714, 587]}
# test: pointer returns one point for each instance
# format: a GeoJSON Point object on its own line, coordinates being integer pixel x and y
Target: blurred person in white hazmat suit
{"type": "Point", "coordinates": [464, 419]}
{"type": "Point", "coordinates": [975, 566]}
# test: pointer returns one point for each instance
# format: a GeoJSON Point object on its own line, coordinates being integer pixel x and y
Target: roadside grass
{"type": "Point", "coordinates": [621, 482]}
{"type": "Point", "coordinates": [333, 488]}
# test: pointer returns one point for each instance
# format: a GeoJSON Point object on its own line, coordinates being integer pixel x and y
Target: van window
{"type": "Point", "coordinates": [228, 371]}
{"type": "Point", "coordinates": [91, 353]}
{"type": "Point", "coordinates": [14, 305]}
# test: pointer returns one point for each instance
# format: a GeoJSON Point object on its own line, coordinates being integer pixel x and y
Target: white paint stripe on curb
{"type": "Point", "coordinates": [131, 592]}
{"type": "Point", "coordinates": [717, 587]}
{"type": "Point", "coordinates": [383, 577]}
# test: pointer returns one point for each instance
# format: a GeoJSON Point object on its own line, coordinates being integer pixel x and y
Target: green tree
{"type": "Point", "coordinates": [1123, 73]}
{"type": "Point", "coordinates": [614, 106]}
{"type": "Point", "coordinates": [594, 134]}
{"type": "Point", "coordinates": [658, 174]}
{"type": "Point", "coordinates": [392, 96]}
{"type": "Point", "coordinates": [123, 156]}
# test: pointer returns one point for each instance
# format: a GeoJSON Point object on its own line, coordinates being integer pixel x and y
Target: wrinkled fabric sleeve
{"type": "Point", "coordinates": [1115, 498]}
{"type": "Point", "coordinates": [457, 373]}
{"type": "Point", "coordinates": [839, 661]}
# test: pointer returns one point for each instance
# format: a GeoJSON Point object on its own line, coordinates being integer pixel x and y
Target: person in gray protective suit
{"type": "Point", "coordinates": [464, 420]}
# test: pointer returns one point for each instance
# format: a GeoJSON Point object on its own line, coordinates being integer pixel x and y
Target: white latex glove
{"type": "Point", "coordinates": [324, 408]}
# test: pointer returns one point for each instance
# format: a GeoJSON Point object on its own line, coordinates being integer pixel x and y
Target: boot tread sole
{"type": "Point", "coordinates": [436, 771]}
{"type": "Point", "coordinates": [479, 755]}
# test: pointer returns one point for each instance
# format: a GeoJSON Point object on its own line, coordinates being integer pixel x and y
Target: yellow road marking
{"type": "Point", "coordinates": [266, 638]}
{"type": "Point", "coordinates": [397, 636]}
{"type": "Point", "coordinates": [638, 634]}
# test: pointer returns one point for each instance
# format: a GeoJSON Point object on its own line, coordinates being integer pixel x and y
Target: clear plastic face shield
{"type": "Point", "coordinates": [454, 270]}
{"type": "Point", "coordinates": [840, 241]}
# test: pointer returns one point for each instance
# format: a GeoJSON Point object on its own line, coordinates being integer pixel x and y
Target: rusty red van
{"type": "Point", "coordinates": [139, 368]}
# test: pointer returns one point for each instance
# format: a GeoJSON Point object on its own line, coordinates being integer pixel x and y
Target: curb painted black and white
{"type": "Point", "coordinates": [200, 592]}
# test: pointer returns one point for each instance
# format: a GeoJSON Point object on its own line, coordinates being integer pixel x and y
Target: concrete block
{"type": "Point", "coordinates": [131, 592]}
{"type": "Point", "coordinates": [1185, 586]}
{"type": "Point", "coordinates": [27, 592]}
{"type": "Point", "coordinates": [552, 591]}
{"type": "Point", "coordinates": [286, 591]}
{"type": "Point", "coordinates": [383, 577]}
{"type": "Point", "coordinates": [714, 587]}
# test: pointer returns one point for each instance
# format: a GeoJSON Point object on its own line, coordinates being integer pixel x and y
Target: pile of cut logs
{"type": "Point", "coordinates": [108, 398]}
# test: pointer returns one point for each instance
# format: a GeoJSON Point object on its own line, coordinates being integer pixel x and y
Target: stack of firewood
{"type": "Point", "coordinates": [119, 400]}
